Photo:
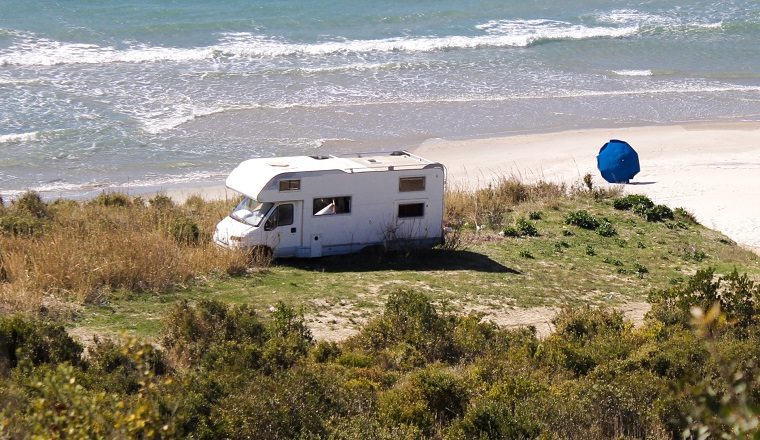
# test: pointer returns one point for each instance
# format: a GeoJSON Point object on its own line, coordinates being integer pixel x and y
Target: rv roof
{"type": "Point", "coordinates": [251, 176]}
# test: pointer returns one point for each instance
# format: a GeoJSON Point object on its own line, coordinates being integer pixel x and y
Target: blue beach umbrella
{"type": "Point", "coordinates": [618, 162]}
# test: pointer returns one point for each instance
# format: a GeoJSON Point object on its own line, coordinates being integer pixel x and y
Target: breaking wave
{"type": "Point", "coordinates": [32, 50]}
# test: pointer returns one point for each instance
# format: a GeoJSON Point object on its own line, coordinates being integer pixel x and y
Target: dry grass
{"type": "Point", "coordinates": [492, 205]}
{"type": "Point", "coordinates": [84, 251]}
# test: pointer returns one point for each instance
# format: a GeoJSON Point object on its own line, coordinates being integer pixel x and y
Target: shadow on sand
{"type": "Point", "coordinates": [433, 259]}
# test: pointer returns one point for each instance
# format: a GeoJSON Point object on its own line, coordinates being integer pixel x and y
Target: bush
{"type": "Point", "coordinates": [185, 231]}
{"type": "Point", "coordinates": [33, 342]}
{"type": "Point", "coordinates": [212, 331]}
{"type": "Point", "coordinates": [737, 295]}
{"type": "Point", "coordinates": [111, 199]}
{"type": "Point", "coordinates": [630, 202]}
{"type": "Point", "coordinates": [161, 202]}
{"type": "Point", "coordinates": [582, 219]}
{"type": "Point", "coordinates": [527, 228]}
{"type": "Point", "coordinates": [658, 213]}
{"type": "Point", "coordinates": [605, 229]}
{"type": "Point", "coordinates": [25, 225]}
{"type": "Point", "coordinates": [30, 204]}
{"type": "Point", "coordinates": [535, 215]}
{"type": "Point", "coordinates": [685, 216]}
{"type": "Point", "coordinates": [510, 231]}
{"type": "Point", "coordinates": [409, 318]}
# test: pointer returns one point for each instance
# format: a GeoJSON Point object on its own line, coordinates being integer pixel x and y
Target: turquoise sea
{"type": "Point", "coordinates": [134, 94]}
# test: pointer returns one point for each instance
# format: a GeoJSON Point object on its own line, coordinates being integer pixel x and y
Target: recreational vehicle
{"type": "Point", "coordinates": [313, 206]}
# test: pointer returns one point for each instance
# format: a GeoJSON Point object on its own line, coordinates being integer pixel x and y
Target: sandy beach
{"type": "Point", "coordinates": [711, 169]}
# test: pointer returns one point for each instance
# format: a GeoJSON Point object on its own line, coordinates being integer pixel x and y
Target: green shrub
{"type": "Point", "coordinates": [527, 228]}
{"type": "Point", "coordinates": [119, 368]}
{"type": "Point", "coordinates": [658, 213]}
{"type": "Point", "coordinates": [185, 231]}
{"type": "Point", "coordinates": [590, 251]}
{"type": "Point", "coordinates": [509, 409]}
{"type": "Point", "coordinates": [30, 204]}
{"type": "Point", "coordinates": [161, 202]}
{"type": "Point", "coordinates": [24, 225]}
{"type": "Point", "coordinates": [736, 294]}
{"type": "Point", "coordinates": [582, 219]}
{"type": "Point", "coordinates": [510, 231]}
{"type": "Point", "coordinates": [613, 261]}
{"type": "Point", "coordinates": [685, 216]}
{"type": "Point", "coordinates": [535, 215]}
{"type": "Point", "coordinates": [431, 397]}
{"type": "Point", "coordinates": [410, 318]}
{"type": "Point", "coordinates": [524, 253]}
{"type": "Point", "coordinates": [325, 351]}
{"type": "Point", "coordinates": [631, 201]}
{"type": "Point", "coordinates": [111, 199]}
{"type": "Point", "coordinates": [605, 229]}
{"type": "Point", "coordinates": [33, 342]}
{"type": "Point", "coordinates": [191, 332]}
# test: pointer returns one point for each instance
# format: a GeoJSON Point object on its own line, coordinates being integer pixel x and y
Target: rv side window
{"type": "Point", "coordinates": [406, 184]}
{"type": "Point", "coordinates": [281, 216]}
{"type": "Point", "coordinates": [332, 205]}
{"type": "Point", "coordinates": [290, 185]}
{"type": "Point", "coordinates": [411, 210]}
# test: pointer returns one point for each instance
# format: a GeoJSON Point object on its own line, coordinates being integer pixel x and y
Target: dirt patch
{"type": "Point", "coordinates": [343, 322]}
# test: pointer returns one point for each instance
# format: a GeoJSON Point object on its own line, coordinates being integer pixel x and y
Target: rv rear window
{"type": "Point", "coordinates": [332, 205]}
{"type": "Point", "coordinates": [290, 185]}
{"type": "Point", "coordinates": [406, 184]}
{"type": "Point", "coordinates": [411, 210]}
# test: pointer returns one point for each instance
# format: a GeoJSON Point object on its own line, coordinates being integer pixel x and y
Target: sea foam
{"type": "Point", "coordinates": [31, 50]}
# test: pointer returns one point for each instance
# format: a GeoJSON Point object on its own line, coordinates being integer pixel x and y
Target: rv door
{"type": "Point", "coordinates": [284, 228]}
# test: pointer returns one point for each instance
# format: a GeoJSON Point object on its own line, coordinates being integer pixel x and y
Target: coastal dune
{"type": "Point", "coordinates": [710, 169]}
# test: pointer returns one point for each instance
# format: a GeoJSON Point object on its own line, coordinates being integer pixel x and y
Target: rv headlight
{"type": "Point", "coordinates": [236, 239]}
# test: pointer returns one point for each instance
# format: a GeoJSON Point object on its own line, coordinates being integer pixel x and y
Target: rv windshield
{"type": "Point", "coordinates": [250, 211]}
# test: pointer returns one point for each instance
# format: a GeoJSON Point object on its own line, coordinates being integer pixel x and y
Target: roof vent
{"type": "Point", "coordinates": [398, 153]}
{"type": "Point", "coordinates": [319, 157]}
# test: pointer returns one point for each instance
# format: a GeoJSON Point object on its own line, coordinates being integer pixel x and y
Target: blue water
{"type": "Point", "coordinates": [139, 94]}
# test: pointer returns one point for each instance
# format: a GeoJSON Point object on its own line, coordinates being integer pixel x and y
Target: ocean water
{"type": "Point", "coordinates": [139, 94]}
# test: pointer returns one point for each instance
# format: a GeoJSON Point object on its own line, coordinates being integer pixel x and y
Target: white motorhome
{"type": "Point", "coordinates": [313, 206]}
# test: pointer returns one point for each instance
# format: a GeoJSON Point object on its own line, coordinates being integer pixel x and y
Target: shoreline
{"type": "Point", "coordinates": [708, 168]}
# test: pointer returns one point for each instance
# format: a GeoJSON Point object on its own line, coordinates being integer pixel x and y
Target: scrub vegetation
{"type": "Point", "coordinates": [178, 338]}
{"type": "Point", "coordinates": [412, 372]}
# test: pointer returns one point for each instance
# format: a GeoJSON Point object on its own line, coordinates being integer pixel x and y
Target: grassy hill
{"type": "Point", "coordinates": [542, 263]}
{"type": "Point", "coordinates": [216, 344]}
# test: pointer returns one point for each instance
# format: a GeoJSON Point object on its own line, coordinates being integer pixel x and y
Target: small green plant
{"type": "Point", "coordinates": [526, 228]}
{"type": "Point", "coordinates": [693, 254]}
{"type": "Point", "coordinates": [526, 254]}
{"type": "Point", "coordinates": [685, 216]}
{"type": "Point", "coordinates": [588, 180]}
{"type": "Point", "coordinates": [560, 246]}
{"type": "Point", "coordinates": [590, 250]}
{"type": "Point", "coordinates": [640, 270]}
{"type": "Point", "coordinates": [567, 233]}
{"type": "Point", "coordinates": [630, 202]}
{"type": "Point", "coordinates": [582, 219]}
{"type": "Point", "coordinates": [535, 215]}
{"type": "Point", "coordinates": [605, 229]}
{"type": "Point", "coordinates": [613, 261]}
{"type": "Point", "coordinates": [510, 231]}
